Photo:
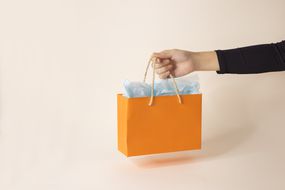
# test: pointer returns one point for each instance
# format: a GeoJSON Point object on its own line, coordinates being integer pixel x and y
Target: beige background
{"type": "Point", "coordinates": [62, 63]}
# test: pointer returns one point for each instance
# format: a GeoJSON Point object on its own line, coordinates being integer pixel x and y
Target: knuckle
{"type": "Point", "coordinates": [160, 71]}
{"type": "Point", "coordinates": [166, 61]}
{"type": "Point", "coordinates": [163, 69]}
{"type": "Point", "coordinates": [156, 66]}
{"type": "Point", "coordinates": [170, 66]}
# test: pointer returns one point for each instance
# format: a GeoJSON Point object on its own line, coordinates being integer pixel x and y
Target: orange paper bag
{"type": "Point", "coordinates": [160, 124]}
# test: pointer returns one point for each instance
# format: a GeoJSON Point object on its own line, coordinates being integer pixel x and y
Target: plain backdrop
{"type": "Point", "coordinates": [63, 62]}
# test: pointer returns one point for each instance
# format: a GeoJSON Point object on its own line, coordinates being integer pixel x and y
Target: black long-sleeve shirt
{"type": "Point", "coordinates": [252, 59]}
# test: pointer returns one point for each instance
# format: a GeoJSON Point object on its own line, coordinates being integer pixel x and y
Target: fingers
{"type": "Point", "coordinates": [161, 63]}
{"type": "Point", "coordinates": [164, 65]}
{"type": "Point", "coordinates": [163, 68]}
{"type": "Point", "coordinates": [164, 75]}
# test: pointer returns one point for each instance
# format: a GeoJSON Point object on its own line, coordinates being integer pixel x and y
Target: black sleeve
{"type": "Point", "coordinates": [252, 59]}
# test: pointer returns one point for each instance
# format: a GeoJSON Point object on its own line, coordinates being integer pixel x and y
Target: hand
{"type": "Point", "coordinates": [180, 62]}
{"type": "Point", "coordinates": [175, 62]}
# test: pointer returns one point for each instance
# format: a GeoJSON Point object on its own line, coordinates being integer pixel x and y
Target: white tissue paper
{"type": "Point", "coordinates": [186, 85]}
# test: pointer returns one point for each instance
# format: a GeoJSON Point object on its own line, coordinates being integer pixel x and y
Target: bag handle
{"type": "Point", "coordinates": [153, 61]}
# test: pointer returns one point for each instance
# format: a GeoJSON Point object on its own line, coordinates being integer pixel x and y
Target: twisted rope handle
{"type": "Point", "coordinates": [152, 61]}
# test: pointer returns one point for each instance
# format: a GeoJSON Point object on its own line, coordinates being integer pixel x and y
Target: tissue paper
{"type": "Point", "coordinates": [185, 85]}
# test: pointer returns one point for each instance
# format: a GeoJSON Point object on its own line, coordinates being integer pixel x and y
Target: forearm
{"type": "Point", "coordinates": [252, 59]}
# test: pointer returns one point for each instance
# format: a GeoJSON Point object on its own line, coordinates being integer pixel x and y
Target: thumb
{"type": "Point", "coordinates": [166, 54]}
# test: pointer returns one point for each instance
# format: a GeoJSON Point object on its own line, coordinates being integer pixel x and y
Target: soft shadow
{"type": "Point", "coordinates": [162, 160]}
{"type": "Point", "coordinates": [226, 141]}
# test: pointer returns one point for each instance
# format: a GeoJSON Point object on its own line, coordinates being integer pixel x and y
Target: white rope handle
{"type": "Point", "coordinates": [152, 61]}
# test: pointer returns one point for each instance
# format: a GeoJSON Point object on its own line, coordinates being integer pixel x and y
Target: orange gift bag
{"type": "Point", "coordinates": [160, 124]}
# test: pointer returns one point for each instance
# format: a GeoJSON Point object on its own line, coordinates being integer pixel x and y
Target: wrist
{"type": "Point", "coordinates": [205, 61]}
